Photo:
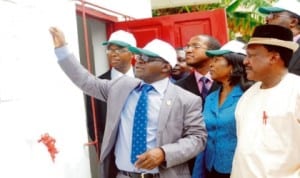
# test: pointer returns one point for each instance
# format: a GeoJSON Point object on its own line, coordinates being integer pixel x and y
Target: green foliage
{"type": "Point", "coordinates": [242, 15]}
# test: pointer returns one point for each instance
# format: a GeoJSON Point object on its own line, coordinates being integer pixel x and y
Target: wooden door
{"type": "Point", "coordinates": [177, 29]}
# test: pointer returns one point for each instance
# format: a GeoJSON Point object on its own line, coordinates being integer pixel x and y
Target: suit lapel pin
{"type": "Point", "coordinates": [169, 102]}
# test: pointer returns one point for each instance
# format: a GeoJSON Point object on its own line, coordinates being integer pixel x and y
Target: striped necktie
{"type": "Point", "coordinates": [204, 90]}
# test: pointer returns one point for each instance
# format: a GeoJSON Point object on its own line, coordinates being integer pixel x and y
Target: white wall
{"type": "Point", "coordinates": [35, 95]}
{"type": "Point", "coordinates": [134, 8]}
{"type": "Point", "coordinates": [98, 36]}
{"type": "Point", "coordinates": [159, 4]}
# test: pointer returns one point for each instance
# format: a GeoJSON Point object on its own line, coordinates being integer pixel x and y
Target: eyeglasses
{"type": "Point", "coordinates": [193, 47]}
{"type": "Point", "coordinates": [276, 15]}
{"type": "Point", "coordinates": [117, 51]}
{"type": "Point", "coordinates": [148, 59]}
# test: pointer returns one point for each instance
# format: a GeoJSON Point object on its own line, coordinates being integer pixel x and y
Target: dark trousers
{"type": "Point", "coordinates": [214, 174]}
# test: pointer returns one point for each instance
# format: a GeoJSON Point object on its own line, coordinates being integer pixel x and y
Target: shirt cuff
{"type": "Point", "coordinates": [62, 52]}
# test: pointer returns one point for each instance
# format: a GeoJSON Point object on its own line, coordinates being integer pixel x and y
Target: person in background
{"type": "Point", "coordinates": [120, 59]}
{"type": "Point", "coordinates": [228, 70]}
{"type": "Point", "coordinates": [181, 69]}
{"type": "Point", "coordinates": [268, 113]}
{"type": "Point", "coordinates": [287, 14]}
{"type": "Point", "coordinates": [172, 126]}
{"type": "Point", "coordinates": [196, 58]}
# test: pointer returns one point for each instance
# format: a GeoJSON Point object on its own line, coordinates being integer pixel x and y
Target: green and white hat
{"type": "Point", "coordinates": [292, 6]}
{"type": "Point", "coordinates": [121, 38]}
{"type": "Point", "coordinates": [158, 48]}
{"type": "Point", "coordinates": [232, 46]}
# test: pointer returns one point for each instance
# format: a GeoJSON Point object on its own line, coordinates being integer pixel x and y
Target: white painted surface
{"type": "Point", "coordinates": [133, 8]}
{"type": "Point", "coordinates": [35, 95]}
{"type": "Point", "coordinates": [159, 4]}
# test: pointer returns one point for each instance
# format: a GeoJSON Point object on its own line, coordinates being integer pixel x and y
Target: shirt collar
{"type": "Point", "coordinates": [199, 76]}
{"type": "Point", "coordinates": [159, 86]}
{"type": "Point", "coordinates": [116, 74]}
{"type": "Point", "coordinates": [296, 38]}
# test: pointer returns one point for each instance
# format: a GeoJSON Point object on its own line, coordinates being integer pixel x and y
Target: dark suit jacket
{"type": "Point", "coordinates": [294, 66]}
{"type": "Point", "coordinates": [189, 83]}
{"type": "Point", "coordinates": [100, 111]}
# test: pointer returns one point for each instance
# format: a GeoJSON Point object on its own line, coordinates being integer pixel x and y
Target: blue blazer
{"type": "Point", "coordinates": [221, 127]}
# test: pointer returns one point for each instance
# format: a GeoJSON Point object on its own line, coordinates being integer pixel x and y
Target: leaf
{"type": "Point", "coordinates": [233, 6]}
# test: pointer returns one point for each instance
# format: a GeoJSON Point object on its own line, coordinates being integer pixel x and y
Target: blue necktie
{"type": "Point", "coordinates": [139, 131]}
{"type": "Point", "coordinates": [204, 91]}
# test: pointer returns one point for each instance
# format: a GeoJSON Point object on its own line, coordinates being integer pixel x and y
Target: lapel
{"type": "Point", "coordinates": [106, 75]}
{"type": "Point", "coordinates": [214, 87]}
{"type": "Point", "coordinates": [166, 106]}
{"type": "Point", "coordinates": [120, 91]}
{"type": "Point", "coordinates": [296, 56]}
{"type": "Point", "coordinates": [236, 92]}
{"type": "Point", "coordinates": [189, 83]}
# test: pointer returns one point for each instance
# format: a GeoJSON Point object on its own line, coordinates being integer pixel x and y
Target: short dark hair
{"type": "Point", "coordinates": [293, 15]}
{"type": "Point", "coordinates": [212, 43]}
{"type": "Point", "coordinates": [238, 74]}
{"type": "Point", "coordinates": [285, 53]}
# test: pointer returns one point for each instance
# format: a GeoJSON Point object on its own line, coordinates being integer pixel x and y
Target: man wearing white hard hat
{"type": "Point", "coordinates": [171, 128]}
{"type": "Point", "coordinates": [286, 13]}
{"type": "Point", "coordinates": [120, 62]}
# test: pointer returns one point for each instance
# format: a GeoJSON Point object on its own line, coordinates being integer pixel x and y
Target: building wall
{"type": "Point", "coordinates": [36, 98]}
{"type": "Point", "coordinates": [133, 8]}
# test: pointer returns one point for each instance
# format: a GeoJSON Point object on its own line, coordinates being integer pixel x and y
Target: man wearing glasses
{"type": "Point", "coordinates": [120, 59]}
{"type": "Point", "coordinates": [174, 130]}
{"type": "Point", "coordinates": [196, 58]}
{"type": "Point", "coordinates": [286, 13]}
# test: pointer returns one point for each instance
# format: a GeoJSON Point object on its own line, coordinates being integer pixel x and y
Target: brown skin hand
{"type": "Point", "coordinates": [58, 37]}
{"type": "Point", "coordinates": [150, 159]}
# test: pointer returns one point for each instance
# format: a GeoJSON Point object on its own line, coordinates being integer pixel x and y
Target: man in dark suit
{"type": "Point", "coordinates": [196, 58]}
{"type": "Point", "coordinates": [181, 69]}
{"type": "Point", "coordinates": [286, 14]}
{"type": "Point", "coordinates": [120, 61]}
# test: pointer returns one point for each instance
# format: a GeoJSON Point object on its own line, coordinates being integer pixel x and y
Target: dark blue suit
{"type": "Point", "coordinates": [294, 66]}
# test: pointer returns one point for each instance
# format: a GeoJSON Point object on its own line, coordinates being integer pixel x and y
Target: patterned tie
{"type": "Point", "coordinates": [204, 90]}
{"type": "Point", "coordinates": [139, 131]}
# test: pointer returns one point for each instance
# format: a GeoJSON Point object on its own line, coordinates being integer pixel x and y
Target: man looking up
{"type": "Point", "coordinates": [171, 125]}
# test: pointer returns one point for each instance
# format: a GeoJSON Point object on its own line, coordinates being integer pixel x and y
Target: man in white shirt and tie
{"type": "Point", "coordinates": [175, 127]}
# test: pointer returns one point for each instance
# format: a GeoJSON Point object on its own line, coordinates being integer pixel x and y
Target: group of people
{"type": "Point", "coordinates": [235, 114]}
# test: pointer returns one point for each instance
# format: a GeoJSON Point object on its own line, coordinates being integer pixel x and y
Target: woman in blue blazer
{"type": "Point", "coordinates": [228, 70]}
